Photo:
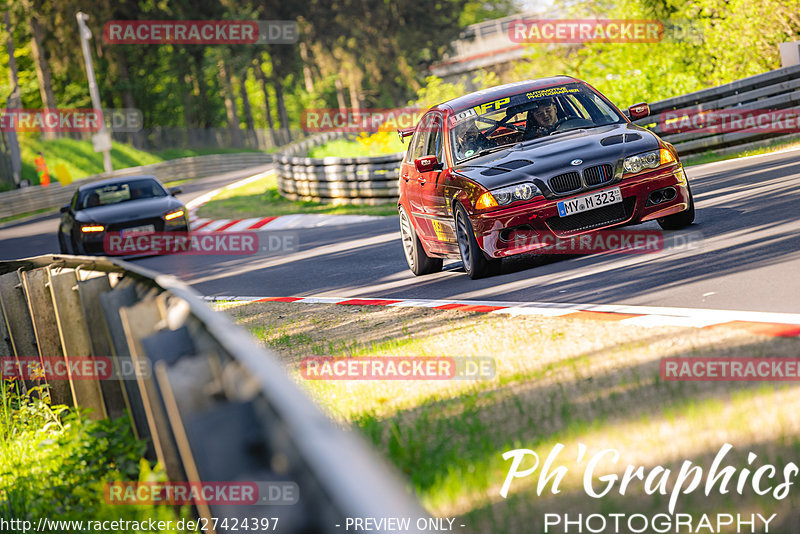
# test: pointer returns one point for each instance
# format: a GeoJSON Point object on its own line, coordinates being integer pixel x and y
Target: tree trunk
{"type": "Point", "coordinates": [247, 110]}
{"type": "Point", "coordinates": [134, 138]}
{"type": "Point", "coordinates": [200, 90]}
{"type": "Point", "coordinates": [262, 80]}
{"type": "Point", "coordinates": [13, 102]}
{"type": "Point", "coordinates": [282, 114]}
{"type": "Point", "coordinates": [304, 55]}
{"type": "Point", "coordinates": [42, 70]}
{"type": "Point", "coordinates": [230, 104]}
{"type": "Point", "coordinates": [340, 95]}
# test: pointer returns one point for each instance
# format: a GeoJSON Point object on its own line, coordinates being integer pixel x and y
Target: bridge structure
{"type": "Point", "coordinates": [482, 46]}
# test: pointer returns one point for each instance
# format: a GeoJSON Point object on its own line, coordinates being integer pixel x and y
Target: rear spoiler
{"type": "Point", "coordinates": [405, 132]}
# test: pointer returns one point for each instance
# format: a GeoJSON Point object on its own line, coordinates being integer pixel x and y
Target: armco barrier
{"type": "Point", "coordinates": [37, 197]}
{"type": "Point", "coordinates": [214, 407]}
{"type": "Point", "coordinates": [773, 90]}
{"type": "Point", "coordinates": [363, 180]}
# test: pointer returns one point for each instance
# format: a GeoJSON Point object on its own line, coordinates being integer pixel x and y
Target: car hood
{"type": "Point", "coordinates": [540, 159]}
{"type": "Point", "coordinates": [129, 210]}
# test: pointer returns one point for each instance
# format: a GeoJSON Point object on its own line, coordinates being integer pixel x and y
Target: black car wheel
{"type": "Point", "coordinates": [475, 262]}
{"type": "Point", "coordinates": [62, 247]}
{"type": "Point", "coordinates": [681, 219]}
{"type": "Point", "coordinates": [418, 261]}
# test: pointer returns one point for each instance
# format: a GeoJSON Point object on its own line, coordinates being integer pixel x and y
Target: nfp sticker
{"type": "Point", "coordinates": [492, 106]}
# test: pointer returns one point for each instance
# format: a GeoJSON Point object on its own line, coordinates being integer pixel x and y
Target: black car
{"type": "Point", "coordinates": [129, 205]}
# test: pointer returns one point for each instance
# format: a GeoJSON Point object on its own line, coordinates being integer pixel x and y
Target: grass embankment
{"type": "Point", "coordinates": [261, 198]}
{"type": "Point", "coordinates": [81, 160]}
{"type": "Point", "coordinates": [559, 380]}
{"type": "Point", "coordinates": [378, 144]}
{"type": "Point", "coordinates": [55, 463]}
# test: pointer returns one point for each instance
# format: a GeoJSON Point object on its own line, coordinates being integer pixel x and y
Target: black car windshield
{"type": "Point", "coordinates": [527, 116]}
{"type": "Point", "coordinates": [104, 195]}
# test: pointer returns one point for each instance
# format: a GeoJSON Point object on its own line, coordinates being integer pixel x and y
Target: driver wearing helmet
{"type": "Point", "coordinates": [470, 140]}
{"type": "Point", "coordinates": [542, 119]}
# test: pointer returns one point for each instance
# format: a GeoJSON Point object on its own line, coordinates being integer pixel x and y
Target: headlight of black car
{"type": "Point", "coordinates": [647, 160]}
{"type": "Point", "coordinates": [175, 217]}
{"type": "Point", "coordinates": [524, 191]}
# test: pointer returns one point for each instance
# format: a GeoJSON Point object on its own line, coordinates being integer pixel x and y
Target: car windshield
{"type": "Point", "coordinates": [104, 195]}
{"type": "Point", "coordinates": [527, 116]}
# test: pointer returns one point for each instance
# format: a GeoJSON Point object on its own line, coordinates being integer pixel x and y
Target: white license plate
{"type": "Point", "coordinates": [146, 229]}
{"type": "Point", "coordinates": [588, 202]}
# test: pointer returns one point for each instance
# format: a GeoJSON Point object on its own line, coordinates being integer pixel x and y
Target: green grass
{"type": "Point", "coordinates": [591, 383]}
{"type": "Point", "coordinates": [27, 214]}
{"type": "Point", "coordinates": [79, 157]}
{"type": "Point", "coordinates": [262, 199]}
{"type": "Point", "coordinates": [81, 160]}
{"type": "Point", "coordinates": [55, 462]}
{"type": "Point", "coordinates": [375, 145]}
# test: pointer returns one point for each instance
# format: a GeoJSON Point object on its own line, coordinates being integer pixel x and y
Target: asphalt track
{"type": "Point", "coordinates": [742, 253]}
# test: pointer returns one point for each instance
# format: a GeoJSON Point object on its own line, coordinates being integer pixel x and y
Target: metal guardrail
{"type": "Point", "coordinates": [773, 90]}
{"type": "Point", "coordinates": [37, 197]}
{"type": "Point", "coordinates": [216, 407]}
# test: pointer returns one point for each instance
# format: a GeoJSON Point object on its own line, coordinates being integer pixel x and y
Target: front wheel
{"type": "Point", "coordinates": [475, 262]}
{"type": "Point", "coordinates": [62, 246]}
{"type": "Point", "coordinates": [418, 261]}
{"type": "Point", "coordinates": [681, 219]}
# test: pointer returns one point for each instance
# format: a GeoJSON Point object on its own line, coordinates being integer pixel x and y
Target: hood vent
{"type": "Point", "coordinates": [506, 167]}
{"type": "Point", "coordinates": [613, 140]}
{"type": "Point", "coordinates": [632, 137]}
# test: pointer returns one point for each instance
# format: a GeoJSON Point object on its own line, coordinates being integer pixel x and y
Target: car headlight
{"type": "Point", "coordinates": [92, 228]}
{"type": "Point", "coordinates": [173, 215]}
{"type": "Point", "coordinates": [513, 193]}
{"type": "Point", "coordinates": [648, 160]}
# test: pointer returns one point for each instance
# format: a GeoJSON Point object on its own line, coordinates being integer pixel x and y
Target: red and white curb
{"type": "Point", "coordinates": [764, 323]}
{"type": "Point", "coordinates": [283, 222]}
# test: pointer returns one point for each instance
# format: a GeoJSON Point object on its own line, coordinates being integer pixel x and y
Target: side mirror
{"type": "Point", "coordinates": [175, 191]}
{"type": "Point", "coordinates": [427, 164]}
{"type": "Point", "coordinates": [64, 208]}
{"type": "Point", "coordinates": [639, 111]}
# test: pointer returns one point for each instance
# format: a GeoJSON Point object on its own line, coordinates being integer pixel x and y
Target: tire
{"type": "Point", "coordinates": [681, 219]}
{"type": "Point", "coordinates": [418, 261]}
{"type": "Point", "coordinates": [62, 247]}
{"type": "Point", "coordinates": [476, 264]}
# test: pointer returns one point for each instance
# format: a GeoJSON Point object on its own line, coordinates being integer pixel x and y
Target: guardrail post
{"type": "Point", "coordinates": [139, 321]}
{"type": "Point", "coordinates": [75, 337]}
{"type": "Point", "coordinates": [45, 328]}
{"type": "Point", "coordinates": [124, 294]}
{"type": "Point", "coordinates": [90, 286]}
{"type": "Point", "coordinates": [18, 319]}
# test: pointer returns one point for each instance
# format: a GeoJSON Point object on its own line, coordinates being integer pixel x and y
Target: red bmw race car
{"type": "Point", "coordinates": [504, 171]}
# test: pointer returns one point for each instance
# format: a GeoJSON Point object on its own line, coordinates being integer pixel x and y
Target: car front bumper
{"type": "Point", "coordinates": [535, 225]}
